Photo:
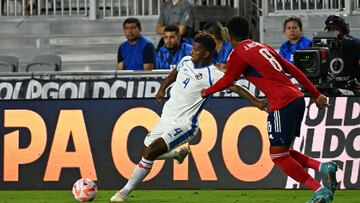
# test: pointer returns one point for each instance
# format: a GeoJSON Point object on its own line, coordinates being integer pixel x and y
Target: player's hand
{"type": "Point", "coordinates": [261, 104]}
{"type": "Point", "coordinates": [160, 95]}
{"type": "Point", "coordinates": [203, 94]}
{"type": "Point", "coordinates": [321, 101]}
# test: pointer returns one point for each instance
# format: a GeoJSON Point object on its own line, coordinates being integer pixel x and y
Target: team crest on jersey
{"type": "Point", "coordinates": [199, 76]}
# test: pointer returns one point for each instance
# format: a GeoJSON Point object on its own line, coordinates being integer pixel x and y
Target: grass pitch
{"type": "Point", "coordinates": [182, 196]}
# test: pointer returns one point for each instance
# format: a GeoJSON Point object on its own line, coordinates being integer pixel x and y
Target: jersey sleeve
{"type": "Point", "coordinates": [149, 54]}
{"type": "Point", "coordinates": [297, 74]}
{"type": "Point", "coordinates": [181, 63]}
{"type": "Point", "coordinates": [187, 18]}
{"type": "Point", "coordinates": [235, 66]}
{"type": "Point", "coordinates": [217, 75]}
{"type": "Point", "coordinates": [119, 55]}
{"type": "Point", "coordinates": [161, 19]}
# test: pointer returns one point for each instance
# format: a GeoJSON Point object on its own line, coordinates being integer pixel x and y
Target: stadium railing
{"type": "Point", "coordinates": [44, 7]}
{"type": "Point", "coordinates": [303, 7]}
{"type": "Point", "coordinates": [94, 8]}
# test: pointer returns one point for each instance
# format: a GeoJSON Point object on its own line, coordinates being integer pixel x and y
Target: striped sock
{"type": "Point", "coordinates": [140, 172]}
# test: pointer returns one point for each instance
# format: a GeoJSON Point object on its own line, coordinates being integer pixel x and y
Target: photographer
{"type": "Point", "coordinates": [345, 64]}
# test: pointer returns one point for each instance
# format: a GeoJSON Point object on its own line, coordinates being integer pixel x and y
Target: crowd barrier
{"type": "Point", "coordinates": [51, 136]}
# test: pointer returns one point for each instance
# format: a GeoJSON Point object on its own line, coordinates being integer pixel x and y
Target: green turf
{"type": "Point", "coordinates": [182, 196]}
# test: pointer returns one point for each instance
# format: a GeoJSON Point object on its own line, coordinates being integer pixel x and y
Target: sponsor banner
{"type": "Point", "coordinates": [333, 134]}
{"type": "Point", "coordinates": [99, 87]}
{"type": "Point", "coordinates": [50, 144]}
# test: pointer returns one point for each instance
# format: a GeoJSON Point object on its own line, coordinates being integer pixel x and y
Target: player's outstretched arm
{"type": "Point", "coordinates": [243, 92]}
{"type": "Point", "coordinates": [168, 81]}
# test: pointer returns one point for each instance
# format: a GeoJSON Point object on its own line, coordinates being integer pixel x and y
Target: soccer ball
{"type": "Point", "coordinates": [84, 190]}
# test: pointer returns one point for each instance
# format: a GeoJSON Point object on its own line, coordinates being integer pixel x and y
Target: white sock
{"type": "Point", "coordinates": [140, 172]}
{"type": "Point", "coordinates": [170, 155]}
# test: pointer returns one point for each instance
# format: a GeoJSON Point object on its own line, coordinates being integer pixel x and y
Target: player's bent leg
{"type": "Point", "coordinates": [328, 175]}
{"type": "Point", "coordinates": [175, 137]}
{"type": "Point", "coordinates": [155, 149]}
{"type": "Point", "coordinates": [304, 160]}
{"type": "Point", "coordinates": [140, 172]}
{"type": "Point", "coordinates": [178, 155]}
{"type": "Point", "coordinates": [281, 157]}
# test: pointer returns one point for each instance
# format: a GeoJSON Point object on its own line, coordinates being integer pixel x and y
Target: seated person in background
{"type": "Point", "coordinates": [179, 13]}
{"type": "Point", "coordinates": [293, 31]}
{"type": "Point", "coordinates": [137, 53]}
{"type": "Point", "coordinates": [345, 67]}
{"type": "Point", "coordinates": [173, 50]}
{"type": "Point", "coordinates": [223, 47]}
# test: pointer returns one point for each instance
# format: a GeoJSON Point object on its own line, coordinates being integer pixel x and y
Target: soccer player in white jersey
{"type": "Point", "coordinates": [179, 119]}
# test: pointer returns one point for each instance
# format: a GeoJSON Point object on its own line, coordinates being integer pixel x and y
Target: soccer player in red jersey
{"type": "Point", "coordinates": [266, 69]}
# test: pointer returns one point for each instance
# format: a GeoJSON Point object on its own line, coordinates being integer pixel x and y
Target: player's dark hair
{"type": "Point", "coordinates": [172, 28]}
{"type": "Point", "coordinates": [132, 20]}
{"type": "Point", "coordinates": [214, 28]}
{"type": "Point", "coordinates": [238, 28]}
{"type": "Point", "coordinates": [207, 41]}
{"type": "Point", "coordinates": [294, 19]}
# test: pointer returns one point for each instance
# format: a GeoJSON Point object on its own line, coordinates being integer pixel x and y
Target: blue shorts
{"type": "Point", "coordinates": [285, 123]}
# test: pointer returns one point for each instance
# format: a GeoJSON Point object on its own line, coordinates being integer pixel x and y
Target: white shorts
{"type": "Point", "coordinates": [173, 136]}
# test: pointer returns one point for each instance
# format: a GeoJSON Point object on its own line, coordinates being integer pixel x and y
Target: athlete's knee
{"type": "Point", "coordinates": [150, 152]}
{"type": "Point", "coordinates": [278, 153]}
{"type": "Point", "coordinates": [154, 150]}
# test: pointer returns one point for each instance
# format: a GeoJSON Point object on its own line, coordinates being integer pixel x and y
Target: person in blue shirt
{"type": "Point", "coordinates": [137, 53]}
{"type": "Point", "coordinates": [223, 47]}
{"type": "Point", "coordinates": [173, 50]}
{"type": "Point", "coordinates": [293, 31]}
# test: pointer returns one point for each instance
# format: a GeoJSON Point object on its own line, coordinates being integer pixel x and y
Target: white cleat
{"type": "Point", "coordinates": [118, 197]}
{"type": "Point", "coordinates": [183, 152]}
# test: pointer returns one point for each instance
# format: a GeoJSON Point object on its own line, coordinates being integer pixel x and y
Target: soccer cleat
{"type": "Point", "coordinates": [324, 195]}
{"type": "Point", "coordinates": [328, 175]}
{"type": "Point", "coordinates": [118, 197]}
{"type": "Point", "coordinates": [183, 152]}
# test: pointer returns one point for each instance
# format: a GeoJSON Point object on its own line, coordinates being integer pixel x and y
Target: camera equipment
{"type": "Point", "coordinates": [315, 62]}
{"type": "Point", "coordinates": [326, 39]}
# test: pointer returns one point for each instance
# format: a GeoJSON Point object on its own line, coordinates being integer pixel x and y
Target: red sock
{"type": "Point", "coordinates": [305, 161]}
{"type": "Point", "coordinates": [292, 168]}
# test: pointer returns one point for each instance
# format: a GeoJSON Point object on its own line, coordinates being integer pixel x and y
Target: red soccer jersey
{"type": "Point", "coordinates": [266, 69]}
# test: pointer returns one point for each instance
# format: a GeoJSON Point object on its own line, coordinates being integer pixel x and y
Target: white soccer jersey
{"type": "Point", "coordinates": [185, 101]}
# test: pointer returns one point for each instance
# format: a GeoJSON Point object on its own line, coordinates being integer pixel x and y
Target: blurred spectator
{"type": "Point", "coordinates": [345, 67]}
{"type": "Point", "coordinates": [173, 50]}
{"type": "Point", "coordinates": [293, 31]}
{"type": "Point", "coordinates": [3, 7]}
{"type": "Point", "coordinates": [223, 46]}
{"type": "Point", "coordinates": [28, 7]}
{"type": "Point", "coordinates": [179, 13]}
{"type": "Point", "coordinates": [137, 53]}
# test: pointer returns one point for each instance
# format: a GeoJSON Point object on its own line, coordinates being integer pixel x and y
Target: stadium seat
{"type": "Point", "coordinates": [9, 64]}
{"type": "Point", "coordinates": [44, 63]}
